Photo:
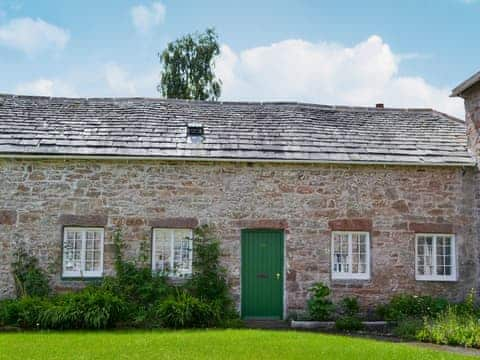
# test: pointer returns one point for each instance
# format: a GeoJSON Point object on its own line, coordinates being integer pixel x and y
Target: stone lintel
{"type": "Point", "coordinates": [280, 224]}
{"type": "Point", "coordinates": [177, 222]}
{"type": "Point", "coordinates": [83, 220]}
{"type": "Point", "coordinates": [439, 228]}
{"type": "Point", "coordinates": [350, 224]}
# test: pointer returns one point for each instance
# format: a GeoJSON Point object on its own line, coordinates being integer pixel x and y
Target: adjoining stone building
{"type": "Point", "coordinates": [371, 201]}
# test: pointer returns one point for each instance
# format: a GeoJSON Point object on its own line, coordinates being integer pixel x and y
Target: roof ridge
{"type": "Point", "coordinates": [448, 117]}
{"type": "Point", "coordinates": [221, 102]}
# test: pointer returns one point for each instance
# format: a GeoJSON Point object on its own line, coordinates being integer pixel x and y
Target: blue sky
{"type": "Point", "coordinates": [404, 53]}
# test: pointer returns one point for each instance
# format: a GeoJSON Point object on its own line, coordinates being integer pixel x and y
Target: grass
{"type": "Point", "coordinates": [204, 344]}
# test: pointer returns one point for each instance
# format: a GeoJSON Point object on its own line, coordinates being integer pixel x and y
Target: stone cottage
{"type": "Point", "coordinates": [371, 201]}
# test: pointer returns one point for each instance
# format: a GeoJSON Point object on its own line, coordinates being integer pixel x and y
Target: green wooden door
{"type": "Point", "coordinates": [262, 274]}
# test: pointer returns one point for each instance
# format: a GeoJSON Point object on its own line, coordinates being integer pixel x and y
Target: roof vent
{"type": "Point", "coordinates": [195, 133]}
{"type": "Point", "coordinates": [379, 106]}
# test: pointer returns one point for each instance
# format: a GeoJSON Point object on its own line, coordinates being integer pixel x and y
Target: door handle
{"type": "Point", "coordinates": [278, 276]}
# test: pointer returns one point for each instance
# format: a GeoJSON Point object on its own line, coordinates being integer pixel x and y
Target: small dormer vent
{"type": "Point", "coordinates": [195, 133]}
{"type": "Point", "coordinates": [194, 130]}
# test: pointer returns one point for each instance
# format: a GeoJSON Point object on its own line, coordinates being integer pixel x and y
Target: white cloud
{"type": "Point", "coordinates": [327, 73]}
{"type": "Point", "coordinates": [119, 81]}
{"type": "Point", "coordinates": [46, 87]}
{"type": "Point", "coordinates": [145, 18]}
{"type": "Point", "coordinates": [32, 35]}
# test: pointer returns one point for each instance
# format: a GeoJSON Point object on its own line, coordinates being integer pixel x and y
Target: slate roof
{"type": "Point", "coordinates": [156, 128]}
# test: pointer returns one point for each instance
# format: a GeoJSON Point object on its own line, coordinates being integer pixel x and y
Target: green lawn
{"type": "Point", "coordinates": [204, 344]}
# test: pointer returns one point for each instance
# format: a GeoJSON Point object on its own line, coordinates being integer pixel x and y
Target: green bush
{"type": "Point", "coordinates": [349, 319]}
{"type": "Point", "coordinates": [452, 328]}
{"type": "Point", "coordinates": [24, 312]}
{"type": "Point", "coordinates": [136, 284]}
{"type": "Point", "coordinates": [319, 307]}
{"type": "Point", "coordinates": [468, 307]}
{"type": "Point", "coordinates": [349, 306]}
{"type": "Point", "coordinates": [87, 309]}
{"type": "Point", "coordinates": [186, 311]}
{"type": "Point", "coordinates": [408, 328]}
{"type": "Point", "coordinates": [208, 281]}
{"type": "Point", "coordinates": [133, 297]}
{"type": "Point", "coordinates": [91, 308]}
{"type": "Point", "coordinates": [8, 312]}
{"type": "Point", "coordinates": [30, 280]}
{"type": "Point", "coordinates": [402, 307]}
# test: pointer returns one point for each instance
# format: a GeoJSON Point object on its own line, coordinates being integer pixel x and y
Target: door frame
{"type": "Point", "coordinates": [284, 268]}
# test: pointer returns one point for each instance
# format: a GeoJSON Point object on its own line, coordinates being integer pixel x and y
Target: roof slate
{"type": "Point", "coordinates": [139, 127]}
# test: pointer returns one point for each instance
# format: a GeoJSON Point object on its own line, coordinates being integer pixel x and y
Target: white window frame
{"type": "Point", "coordinates": [172, 252]}
{"type": "Point", "coordinates": [453, 275]}
{"type": "Point", "coordinates": [349, 275]}
{"type": "Point", "coordinates": [82, 273]}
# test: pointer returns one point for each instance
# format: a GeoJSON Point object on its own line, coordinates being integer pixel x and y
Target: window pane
{"type": "Point", "coordinates": [182, 252]}
{"type": "Point", "coordinates": [72, 251]}
{"type": "Point", "coordinates": [92, 251]}
{"type": "Point", "coordinates": [340, 253]}
{"type": "Point", "coordinates": [162, 258]}
{"type": "Point", "coordinates": [425, 255]}
{"type": "Point", "coordinates": [359, 253]}
{"type": "Point", "coordinates": [444, 258]}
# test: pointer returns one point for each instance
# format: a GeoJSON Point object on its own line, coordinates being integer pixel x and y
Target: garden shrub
{"type": "Point", "coordinates": [408, 328]}
{"type": "Point", "coordinates": [208, 280]}
{"type": "Point", "coordinates": [203, 301]}
{"type": "Point", "coordinates": [186, 311]}
{"type": "Point", "coordinates": [433, 319]}
{"type": "Point", "coordinates": [91, 308]}
{"type": "Point", "coordinates": [136, 284]}
{"type": "Point", "coordinates": [23, 312]}
{"type": "Point", "coordinates": [133, 297]}
{"type": "Point", "coordinates": [349, 319]}
{"type": "Point", "coordinates": [468, 307]}
{"type": "Point", "coordinates": [402, 307]}
{"type": "Point", "coordinates": [88, 309]}
{"type": "Point", "coordinates": [30, 280]}
{"type": "Point", "coordinates": [451, 328]}
{"type": "Point", "coordinates": [8, 312]}
{"type": "Point", "coordinates": [319, 307]}
{"type": "Point", "coordinates": [349, 306]}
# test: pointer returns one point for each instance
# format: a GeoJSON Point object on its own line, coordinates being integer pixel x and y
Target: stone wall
{"type": "Point", "coordinates": [39, 197]}
{"type": "Point", "coordinates": [472, 122]}
{"type": "Point", "coordinates": [472, 118]}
